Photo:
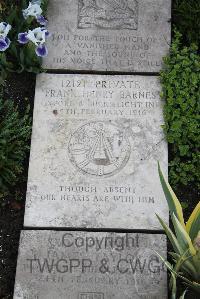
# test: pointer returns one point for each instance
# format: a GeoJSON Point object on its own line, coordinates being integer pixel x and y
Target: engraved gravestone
{"type": "Point", "coordinates": [95, 145]}
{"type": "Point", "coordinates": [108, 35]}
{"type": "Point", "coordinates": [88, 265]}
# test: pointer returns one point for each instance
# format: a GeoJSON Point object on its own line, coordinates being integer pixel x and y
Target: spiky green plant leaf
{"type": "Point", "coordinates": [183, 295]}
{"type": "Point", "coordinates": [171, 237]}
{"type": "Point", "coordinates": [193, 224]}
{"type": "Point", "coordinates": [182, 236]}
{"type": "Point", "coordinates": [173, 202]}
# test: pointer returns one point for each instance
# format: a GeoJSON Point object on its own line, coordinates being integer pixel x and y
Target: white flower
{"type": "Point", "coordinates": [4, 29]}
{"type": "Point", "coordinates": [38, 35]}
{"type": "Point", "coordinates": [33, 10]}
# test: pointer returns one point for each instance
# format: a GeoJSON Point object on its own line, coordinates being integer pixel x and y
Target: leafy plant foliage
{"type": "Point", "coordinates": [181, 90]}
{"type": "Point", "coordinates": [187, 19]}
{"type": "Point", "coordinates": [14, 135]}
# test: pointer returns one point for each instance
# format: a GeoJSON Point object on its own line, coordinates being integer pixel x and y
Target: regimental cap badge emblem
{"type": "Point", "coordinates": [99, 148]}
{"type": "Point", "coordinates": [108, 14]}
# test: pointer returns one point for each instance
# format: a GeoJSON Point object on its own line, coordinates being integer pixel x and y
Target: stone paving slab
{"type": "Point", "coordinates": [95, 145]}
{"type": "Point", "coordinates": [89, 265]}
{"type": "Point", "coordinates": [108, 35]}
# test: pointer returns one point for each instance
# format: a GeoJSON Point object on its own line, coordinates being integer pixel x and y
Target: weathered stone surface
{"type": "Point", "coordinates": [88, 265]}
{"type": "Point", "coordinates": [108, 35]}
{"type": "Point", "coordinates": [95, 146]}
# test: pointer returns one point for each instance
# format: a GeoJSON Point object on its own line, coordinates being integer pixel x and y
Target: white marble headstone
{"type": "Point", "coordinates": [87, 265]}
{"type": "Point", "coordinates": [108, 35]}
{"type": "Point", "coordinates": [95, 145]}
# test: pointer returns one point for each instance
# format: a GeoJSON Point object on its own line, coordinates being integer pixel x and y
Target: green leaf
{"type": "Point", "coordinates": [184, 149]}
{"type": "Point", "coordinates": [183, 238]}
{"type": "Point", "coordinates": [171, 237]}
{"type": "Point", "coordinates": [183, 295]}
{"type": "Point", "coordinates": [3, 59]}
{"type": "Point", "coordinates": [193, 224]}
{"type": "Point", "coordinates": [22, 57]}
{"type": "Point", "coordinates": [184, 263]}
{"type": "Point", "coordinates": [172, 200]}
{"type": "Point", "coordinates": [173, 275]}
{"type": "Point", "coordinates": [174, 289]}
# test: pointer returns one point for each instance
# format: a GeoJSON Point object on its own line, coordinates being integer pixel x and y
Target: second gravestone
{"type": "Point", "coordinates": [95, 146]}
{"type": "Point", "coordinates": [108, 35]}
{"type": "Point", "coordinates": [87, 265]}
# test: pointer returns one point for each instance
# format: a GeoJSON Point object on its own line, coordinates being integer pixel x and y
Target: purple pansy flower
{"type": "Point", "coordinates": [41, 20]}
{"type": "Point", "coordinates": [4, 29]}
{"type": "Point", "coordinates": [38, 37]}
{"type": "Point", "coordinates": [4, 40]}
{"type": "Point", "coordinates": [22, 38]}
{"type": "Point", "coordinates": [41, 50]}
{"type": "Point", "coordinates": [4, 43]}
